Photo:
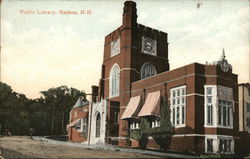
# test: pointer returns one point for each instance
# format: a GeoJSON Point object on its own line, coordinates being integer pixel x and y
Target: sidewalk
{"type": "Point", "coordinates": [114, 148]}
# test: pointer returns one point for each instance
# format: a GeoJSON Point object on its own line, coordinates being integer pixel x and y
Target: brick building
{"type": "Point", "coordinates": [135, 75]}
{"type": "Point", "coordinates": [244, 116]}
{"type": "Point", "coordinates": [78, 124]}
{"type": "Point", "coordinates": [244, 107]}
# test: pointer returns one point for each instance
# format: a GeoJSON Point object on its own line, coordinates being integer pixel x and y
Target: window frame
{"type": "Point", "coordinates": [228, 112]}
{"type": "Point", "coordinates": [178, 102]}
{"type": "Point", "coordinates": [210, 106]}
{"type": "Point", "coordinates": [216, 139]}
{"type": "Point", "coordinates": [114, 81]}
{"type": "Point", "coordinates": [216, 109]}
{"type": "Point", "coordinates": [147, 66]}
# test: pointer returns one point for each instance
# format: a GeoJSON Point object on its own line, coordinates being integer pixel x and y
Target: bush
{"type": "Point", "coordinates": [163, 134]}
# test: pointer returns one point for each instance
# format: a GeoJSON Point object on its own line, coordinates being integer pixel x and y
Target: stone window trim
{"type": "Point", "coordinates": [210, 102]}
{"type": "Point", "coordinates": [178, 106]}
{"type": "Point", "coordinates": [114, 81]}
{"type": "Point", "coordinates": [213, 105]}
{"type": "Point", "coordinates": [148, 70]}
{"type": "Point", "coordinates": [98, 125]}
{"type": "Point", "coordinates": [220, 144]}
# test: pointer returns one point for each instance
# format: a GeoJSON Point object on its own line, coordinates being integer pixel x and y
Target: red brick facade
{"type": "Point", "coordinates": [130, 59]}
{"type": "Point", "coordinates": [193, 76]}
{"type": "Point", "coordinates": [77, 113]}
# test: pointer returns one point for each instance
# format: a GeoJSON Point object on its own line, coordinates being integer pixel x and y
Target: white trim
{"type": "Point", "coordinates": [195, 94]}
{"type": "Point", "coordinates": [176, 103]}
{"type": "Point", "coordinates": [192, 94]}
{"type": "Point", "coordinates": [216, 142]}
{"type": "Point", "coordinates": [117, 138]}
{"type": "Point", "coordinates": [117, 90]}
{"type": "Point", "coordinates": [203, 135]}
{"type": "Point", "coordinates": [215, 108]}
{"type": "Point", "coordinates": [175, 79]}
{"type": "Point", "coordinates": [128, 68]}
{"type": "Point", "coordinates": [213, 104]}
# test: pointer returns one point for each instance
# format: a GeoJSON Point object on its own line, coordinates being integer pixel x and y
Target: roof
{"type": "Point", "coordinates": [132, 107]}
{"type": "Point", "coordinates": [151, 105]}
{"type": "Point", "coordinates": [80, 102]}
{"type": "Point", "coordinates": [73, 123]}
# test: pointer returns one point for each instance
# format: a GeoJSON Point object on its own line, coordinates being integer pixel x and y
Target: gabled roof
{"type": "Point", "coordinates": [80, 102]}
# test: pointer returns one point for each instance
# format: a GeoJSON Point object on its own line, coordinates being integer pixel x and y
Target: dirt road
{"type": "Point", "coordinates": [25, 147]}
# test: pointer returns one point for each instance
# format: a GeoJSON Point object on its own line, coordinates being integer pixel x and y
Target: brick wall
{"type": "Point", "coordinates": [77, 113]}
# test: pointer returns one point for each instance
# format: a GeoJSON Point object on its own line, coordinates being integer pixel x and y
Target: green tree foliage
{"type": "Point", "coordinates": [47, 115]}
{"type": "Point", "coordinates": [144, 133]}
{"type": "Point", "coordinates": [163, 134]}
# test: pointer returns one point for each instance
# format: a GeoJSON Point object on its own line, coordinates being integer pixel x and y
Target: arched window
{"type": "Point", "coordinates": [98, 125]}
{"type": "Point", "coordinates": [147, 70]}
{"type": "Point", "coordinates": [114, 81]}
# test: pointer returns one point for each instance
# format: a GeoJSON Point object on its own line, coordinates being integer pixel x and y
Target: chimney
{"type": "Point", "coordinates": [94, 93]}
{"type": "Point", "coordinates": [129, 14]}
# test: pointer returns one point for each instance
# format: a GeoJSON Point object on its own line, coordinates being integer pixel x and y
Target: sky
{"type": "Point", "coordinates": [40, 51]}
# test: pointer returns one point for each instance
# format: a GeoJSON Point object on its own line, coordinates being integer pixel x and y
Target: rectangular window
{"type": "Point", "coordinates": [173, 116]}
{"type": "Point", "coordinates": [210, 115]}
{"type": "Point", "coordinates": [228, 115]}
{"type": "Point", "coordinates": [225, 145]}
{"type": "Point", "coordinates": [218, 106]}
{"type": "Point", "coordinates": [225, 113]}
{"type": "Point", "coordinates": [178, 105]}
{"type": "Point", "coordinates": [177, 115]}
{"type": "Point", "coordinates": [219, 115]}
{"type": "Point", "coordinates": [209, 98]}
{"type": "Point", "coordinates": [224, 116]}
{"type": "Point", "coordinates": [178, 92]}
{"type": "Point", "coordinates": [183, 91]}
{"type": "Point", "coordinates": [209, 90]}
{"type": "Point", "coordinates": [248, 107]}
{"type": "Point", "coordinates": [210, 145]}
{"type": "Point", "coordinates": [248, 122]}
{"type": "Point", "coordinates": [116, 117]}
{"type": "Point", "coordinates": [182, 115]}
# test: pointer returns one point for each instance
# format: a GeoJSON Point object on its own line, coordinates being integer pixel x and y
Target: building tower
{"type": "Point", "coordinates": [131, 53]}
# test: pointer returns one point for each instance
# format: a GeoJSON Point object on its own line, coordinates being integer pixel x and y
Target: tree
{"type": "Point", "coordinates": [47, 115]}
{"type": "Point", "coordinates": [58, 102]}
{"type": "Point", "coordinates": [163, 134]}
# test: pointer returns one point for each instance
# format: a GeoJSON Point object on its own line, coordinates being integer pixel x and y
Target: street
{"type": "Point", "coordinates": [25, 147]}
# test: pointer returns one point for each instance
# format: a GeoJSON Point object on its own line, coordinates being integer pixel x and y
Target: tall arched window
{"type": "Point", "coordinates": [98, 125]}
{"type": "Point", "coordinates": [114, 81]}
{"type": "Point", "coordinates": [147, 70]}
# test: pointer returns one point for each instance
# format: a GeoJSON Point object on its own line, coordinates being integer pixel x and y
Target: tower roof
{"type": "Point", "coordinates": [80, 102]}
